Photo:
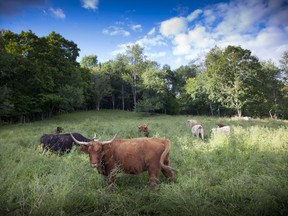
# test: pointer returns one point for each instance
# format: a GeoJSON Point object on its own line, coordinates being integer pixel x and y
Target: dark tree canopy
{"type": "Point", "coordinates": [40, 76]}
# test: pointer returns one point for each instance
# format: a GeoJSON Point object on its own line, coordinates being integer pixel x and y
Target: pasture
{"type": "Point", "coordinates": [245, 174]}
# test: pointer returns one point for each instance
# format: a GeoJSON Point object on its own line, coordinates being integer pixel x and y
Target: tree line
{"type": "Point", "coordinates": [40, 77]}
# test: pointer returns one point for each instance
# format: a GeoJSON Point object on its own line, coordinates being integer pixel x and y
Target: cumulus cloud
{"type": "Point", "coordinates": [13, 7]}
{"type": "Point", "coordinates": [115, 30]}
{"type": "Point", "coordinates": [90, 4]}
{"type": "Point", "coordinates": [258, 25]}
{"type": "Point", "coordinates": [173, 26]}
{"type": "Point", "coordinates": [58, 13]}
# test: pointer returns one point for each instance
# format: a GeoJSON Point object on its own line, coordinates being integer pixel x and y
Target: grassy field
{"type": "Point", "coordinates": [245, 174]}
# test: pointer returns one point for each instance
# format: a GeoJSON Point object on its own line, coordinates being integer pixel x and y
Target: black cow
{"type": "Point", "coordinates": [61, 142]}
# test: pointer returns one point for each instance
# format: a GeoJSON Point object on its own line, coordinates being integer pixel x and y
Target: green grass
{"type": "Point", "coordinates": [245, 174]}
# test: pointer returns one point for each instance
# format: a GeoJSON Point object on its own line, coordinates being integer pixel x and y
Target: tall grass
{"type": "Point", "coordinates": [244, 174]}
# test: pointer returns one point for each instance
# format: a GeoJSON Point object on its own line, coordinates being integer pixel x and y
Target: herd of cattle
{"type": "Point", "coordinates": [132, 156]}
{"type": "Point", "coordinates": [198, 130]}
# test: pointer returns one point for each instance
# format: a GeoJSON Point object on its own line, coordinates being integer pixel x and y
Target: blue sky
{"type": "Point", "coordinates": [172, 32]}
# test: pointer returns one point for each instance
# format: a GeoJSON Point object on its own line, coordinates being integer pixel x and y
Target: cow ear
{"type": "Point", "coordinates": [84, 148]}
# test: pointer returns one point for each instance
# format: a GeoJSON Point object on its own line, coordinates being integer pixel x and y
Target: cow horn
{"type": "Point", "coordinates": [109, 141]}
{"type": "Point", "coordinates": [94, 137]}
{"type": "Point", "coordinates": [78, 142]}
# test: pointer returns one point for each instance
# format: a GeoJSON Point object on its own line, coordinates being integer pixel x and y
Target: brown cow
{"type": "Point", "coordinates": [143, 129]}
{"type": "Point", "coordinates": [132, 156]}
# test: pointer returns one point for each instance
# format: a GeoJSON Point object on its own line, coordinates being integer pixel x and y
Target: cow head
{"type": "Point", "coordinates": [143, 128]}
{"type": "Point", "coordinates": [95, 150]}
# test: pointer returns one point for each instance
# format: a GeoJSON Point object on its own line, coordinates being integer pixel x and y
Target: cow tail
{"type": "Point", "coordinates": [164, 155]}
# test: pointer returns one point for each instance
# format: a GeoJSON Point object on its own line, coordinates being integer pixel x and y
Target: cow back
{"type": "Point", "coordinates": [135, 155]}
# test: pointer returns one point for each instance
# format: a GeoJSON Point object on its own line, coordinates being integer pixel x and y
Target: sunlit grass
{"type": "Point", "coordinates": [243, 174]}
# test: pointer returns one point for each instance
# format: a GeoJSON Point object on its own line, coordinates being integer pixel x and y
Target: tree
{"type": "Point", "coordinates": [100, 84]}
{"type": "Point", "coordinates": [34, 69]}
{"type": "Point", "coordinates": [89, 61]}
{"type": "Point", "coordinates": [71, 97]}
{"type": "Point", "coordinates": [136, 58]}
{"type": "Point", "coordinates": [154, 88]}
{"type": "Point", "coordinates": [284, 65]}
{"type": "Point", "coordinates": [230, 76]}
{"type": "Point", "coordinates": [120, 79]}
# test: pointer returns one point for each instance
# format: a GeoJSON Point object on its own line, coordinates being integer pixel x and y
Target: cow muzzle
{"type": "Point", "coordinates": [94, 165]}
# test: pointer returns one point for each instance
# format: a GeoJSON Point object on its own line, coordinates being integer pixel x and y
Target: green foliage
{"type": "Point", "coordinates": [245, 174]}
{"type": "Point", "coordinates": [35, 69]}
{"type": "Point", "coordinates": [37, 73]}
{"type": "Point", "coordinates": [71, 97]}
{"type": "Point", "coordinates": [230, 74]}
{"type": "Point", "coordinates": [89, 61]}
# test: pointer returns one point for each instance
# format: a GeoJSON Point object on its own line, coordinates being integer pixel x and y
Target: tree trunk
{"type": "Point", "coordinates": [122, 95]}
{"type": "Point", "coordinates": [239, 112]}
{"type": "Point", "coordinates": [113, 101]}
{"type": "Point", "coordinates": [211, 109]}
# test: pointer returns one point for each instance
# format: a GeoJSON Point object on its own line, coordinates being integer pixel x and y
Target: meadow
{"type": "Point", "coordinates": [245, 174]}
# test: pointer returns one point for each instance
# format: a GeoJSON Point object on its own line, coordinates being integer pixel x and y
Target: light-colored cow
{"type": "Point", "coordinates": [198, 131]}
{"type": "Point", "coordinates": [224, 130]}
{"type": "Point", "coordinates": [191, 122]}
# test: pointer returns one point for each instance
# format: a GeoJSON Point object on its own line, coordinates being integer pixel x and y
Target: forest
{"type": "Point", "coordinates": [41, 77]}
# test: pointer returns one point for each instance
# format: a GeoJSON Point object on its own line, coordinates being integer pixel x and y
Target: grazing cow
{"type": "Point", "coordinates": [143, 129]}
{"type": "Point", "coordinates": [225, 130]}
{"type": "Point", "coordinates": [60, 142]}
{"type": "Point", "coordinates": [220, 125]}
{"type": "Point", "coordinates": [198, 131]}
{"type": "Point", "coordinates": [191, 122]}
{"type": "Point", "coordinates": [59, 130]}
{"type": "Point", "coordinates": [132, 156]}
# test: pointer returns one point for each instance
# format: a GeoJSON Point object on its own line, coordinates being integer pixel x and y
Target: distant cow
{"type": "Point", "coordinates": [191, 122]}
{"type": "Point", "coordinates": [143, 129]}
{"type": "Point", "coordinates": [224, 130]}
{"type": "Point", "coordinates": [133, 156]}
{"type": "Point", "coordinates": [220, 125]}
{"type": "Point", "coordinates": [59, 130]}
{"type": "Point", "coordinates": [198, 131]}
{"type": "Point", "coordinates": [60, 142]}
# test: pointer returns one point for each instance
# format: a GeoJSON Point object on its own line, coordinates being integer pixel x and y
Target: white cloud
{"type": "Point", "coordinates": [154, 55]}
{"type": "Point", "coordinates": [199, 37]}
{"type": "Point", "coordinates": [58, 13]}
{"type": "Point", "coordinates": [152, 31]}
{"type": "Point", "coordinates": [182, 45]}
{"type": "Point", "coordinates": [194, 15]}
{"type": "Point", "coordinates": [90, 4]}
{"type": "Point", "coordinates": [173, 26]}
{"type": "Point", "coordinates": [258, 25]}
{"type": "Point", "coordinates": [114, 31]}
{"type": "Point", "coordinates": [136, 27]}
{"type": "Point", "coordinates": [148, 42]}
{"type": "Point", "coordinates": [121, 48]}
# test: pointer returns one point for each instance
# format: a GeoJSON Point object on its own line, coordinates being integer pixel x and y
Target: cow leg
{"type": "Point", "coordinates": [111, 181]}
{"type": "Point", "coordinates": [153, 177]}
{"type": "Point", "coordinates": [112, 177]}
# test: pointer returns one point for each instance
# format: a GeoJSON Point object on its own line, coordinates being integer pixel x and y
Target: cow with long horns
{"type": "Point", "coordinates": [132, 156]}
